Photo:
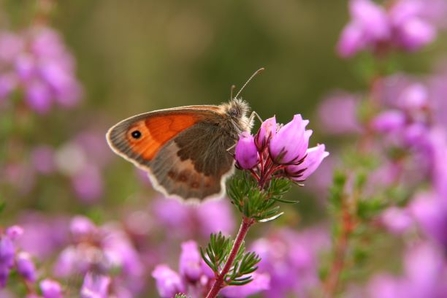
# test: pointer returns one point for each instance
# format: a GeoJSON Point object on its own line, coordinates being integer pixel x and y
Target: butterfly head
{"type": "Point", "coordinates": [237, 109]}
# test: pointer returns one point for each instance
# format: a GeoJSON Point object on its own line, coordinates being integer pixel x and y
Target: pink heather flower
{"type": "Point", "coordinates": [42, 159]}
{"type": "Point", "coordinates": [284, 152]}
{"type": "Point", "coordinates": [7, 253]}
{"type": "Point", "coordinates": [369, 26]}
{"type": "Point", "coordinates": [190, 265]}
{"type": "Point", "coordinates": [388, 121]}
{"type": "Point", "coordinates": [289, 144]}
{"type": "Point", "coordinates": [411, 30]}
{"type": "Point", "coordinates": [101, 250]}
{"type": "Point", "coordinates": [168, 281]}
{"type": "Point", "coordinates": [266, 132]}
{"type": "Point", "coordinates": [396, 220]}
{"type": "Point", "coordinates": [25, 266]}
{"type": "Point", "coordinates": [82, 228]}
{"type": "Point", "coordinates": [50, 289]}
{"type": "Point", "coordinates": [430, 212]}
{"type": "Point", "coordinates": [404, 25]}
{"type": "Point", "coordinates": [37, 63]}
{"type": "Point", "coordinates": [186, 221]}
{"type": "Point", "coordinates": [291, 260]}
{"type": "Point", "coordinates": [345, 106]}
{"type": "Point", "coordinates": [95, 286]}
{"type": "Point", "coordinates": [14, 232]}
{"type": "Point", "coordinates": [246, 153]}
{"type": "Point", "coordinates": [81, 160]}
{"type": "Point", "coordinates": [314, 157]}
{"type": "Point", "coordinates": [88, 184]}
{"type": "Point", "coordinates": [45, 235]}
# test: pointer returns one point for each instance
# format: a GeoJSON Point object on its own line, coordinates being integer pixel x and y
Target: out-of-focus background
{"type": "Point", "coordinates": [135, 56]}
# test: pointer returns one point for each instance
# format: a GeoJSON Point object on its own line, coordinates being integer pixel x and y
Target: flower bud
{"type": "Point", "coordinates": [246, 154]}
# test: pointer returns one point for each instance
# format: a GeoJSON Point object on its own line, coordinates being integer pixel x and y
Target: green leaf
{"type": "Point", "coordinates": [217, 251]}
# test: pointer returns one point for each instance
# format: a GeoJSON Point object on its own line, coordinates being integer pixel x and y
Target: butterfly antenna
{"type": "Point", "coordinates": [232, 90]}
{"type": "Point", "coordinates": [248, 81]}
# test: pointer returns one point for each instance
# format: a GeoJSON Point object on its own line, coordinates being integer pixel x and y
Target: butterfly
{"type": "Point", "coordinates": [186, 151]}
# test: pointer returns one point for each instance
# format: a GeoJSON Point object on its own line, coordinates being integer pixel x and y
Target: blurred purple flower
{"type": "Point", "coordinates": [388, 121]}
{"type": "Point", "coordinates": [367, 28]}
{"type": "Point", "coordinates": [51, 289]}
{"type": "Point", "coordinates": [26, 267]}
{"type": "Point", "coordinates": [404, 25]}
{"type": "Point", "coordinates": [438, 94]}
{"type": "Point", "coordinates": [43, 235]}
{"type": "Point", "coordinates": [88, 184]}
{"type": "Point", "coordinates": [290, 258]}
{"type": "Point", "coordinates": [186, 221]}
{"type": "Point", "coordinates": [396, 220]}
{"type": "Point", "coordinates": [190, 264]}
{"type": "Point", "coordinates": [42, 158]}
{"type": "Point", "coordinates": [425, 273]}
{"type": "Point", "coordinates": [411, 29]}
{"type": "Point", "coordinates": [37, 61]}
{"type": "Point", "coordinates": [345, 106]}
{"type": "Point", "coordinates": [430, 212]}
{"type": "Point", "coordinates": [95, 286]}
{"type": "Point", "coordinates": [82, 159]}
{"type": "Point", "coordinates": [7, 254]}
{"type": "Point", "coordinates": [101, 250]}
{"type": "Point", "coordinates": [168, 281]}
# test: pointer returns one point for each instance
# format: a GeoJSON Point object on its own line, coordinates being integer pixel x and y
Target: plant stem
{"type": "Point", "coordinates": [219, 283]}
{"type": "Point", "coordinates": [341, 247]}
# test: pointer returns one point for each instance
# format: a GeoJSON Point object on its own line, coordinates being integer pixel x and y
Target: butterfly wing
{"type": "Point", "coordinates": [195, 164]}
{"type": "Point", "coordinates": [184, 150]}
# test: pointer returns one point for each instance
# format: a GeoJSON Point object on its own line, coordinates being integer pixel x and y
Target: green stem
{"type": "Point", "coordinates": [219, 283]}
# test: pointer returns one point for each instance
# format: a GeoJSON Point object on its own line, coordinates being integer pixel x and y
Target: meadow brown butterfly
{"type": "Point", "coordinates": [187, 151]}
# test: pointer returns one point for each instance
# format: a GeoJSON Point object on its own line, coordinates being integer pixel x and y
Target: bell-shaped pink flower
{"type": "Point", "coordinates": [246, 153]}
{"type": "Point", "coordinates": [265, 133]}
{"type": "Point", "coordinates": [290, 143]}
{"type": "Point", "coordinates": [314, 157]}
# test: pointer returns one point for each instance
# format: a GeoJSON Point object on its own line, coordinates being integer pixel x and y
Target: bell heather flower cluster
{"type": "Point", "coordinates": [36, 63]}
{"type": "Point", "coordinates": [279, 151]}
{"type": "Point", "coordinates": [396, 180]}
{"type": "Point", "coordinates": [13, 259]}
{"type": "Point", "coordinates": [104, 255]}
{"type": "Point", "coordinates": [407, 25]}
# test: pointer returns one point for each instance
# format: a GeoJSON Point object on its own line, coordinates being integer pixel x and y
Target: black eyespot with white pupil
{"type": "Point", "coordinates": [136, 134]}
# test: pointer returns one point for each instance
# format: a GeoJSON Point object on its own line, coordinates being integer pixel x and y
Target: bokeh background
{"type": "Point", "coordinates": [137, 56]}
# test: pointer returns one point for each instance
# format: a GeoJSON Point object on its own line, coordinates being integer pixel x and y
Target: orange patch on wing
{"type": "Point", "coordinates": [156, 130]}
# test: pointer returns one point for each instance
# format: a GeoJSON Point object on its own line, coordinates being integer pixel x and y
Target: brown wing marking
{"type": "Point", "coordinates": [176, 177]}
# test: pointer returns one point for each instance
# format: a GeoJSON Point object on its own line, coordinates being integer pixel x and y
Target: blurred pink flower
{"type": "Point", "coordinates": [37, 62]}
{"type": "Point", "coordinates": [404, 25]}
